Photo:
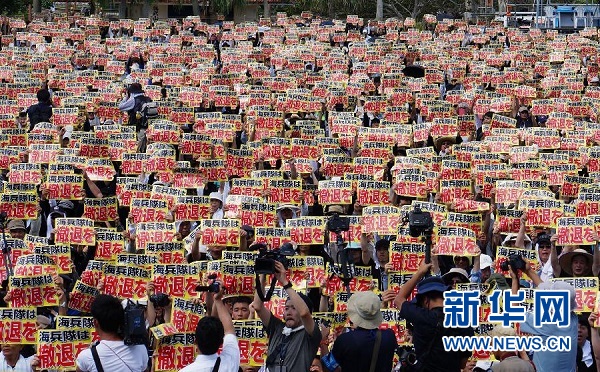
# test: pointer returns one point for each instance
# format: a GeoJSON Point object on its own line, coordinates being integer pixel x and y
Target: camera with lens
{"type": "Point", "coordinates": [516, 262]}
{"type": "Point", "coordinates": [265, 262]}
{"type": "Point", "coordinates": [160, 300]}
{"type": "Point", "coordinates": [407, 358]}
{"type": "Point", "coordinates": [419, 222]}
{"type": "Point", "coordinates": [211, 288]}
{"type": "Point", "coordinates": [337, 224]}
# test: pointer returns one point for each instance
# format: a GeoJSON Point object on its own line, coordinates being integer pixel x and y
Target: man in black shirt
{"type": "Point", "coordinates": [354, 351]}
{"type": "Point", "coordinates": [426, 313]}
{"type": "Point", "coordinates": [41, 111]}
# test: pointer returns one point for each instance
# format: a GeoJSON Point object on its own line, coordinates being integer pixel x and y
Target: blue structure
{"type": "Point", "coordinates": [567, 16]}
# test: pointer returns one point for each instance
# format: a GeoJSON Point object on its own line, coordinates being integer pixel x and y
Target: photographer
{"type": "Point", "coordinates": [427, 318]}
{"type": "Point", "coordinates": [293, 342]}
{"type": "Point", "coordinates": [159, 309]}
{"type": "Point", "coordinates": [112, 353]}
{"type": "Point", "coordinates": [211, 333]}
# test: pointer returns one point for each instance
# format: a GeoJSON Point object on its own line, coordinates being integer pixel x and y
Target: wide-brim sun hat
{"type": "Point", "coordinates": [455, 271]}
{"type": "Point", "coordinates": [364, 310]}
{"type": "Point", "coordinates": [288, 206]}
{"type": "Point", "coordinates": [566, 259]}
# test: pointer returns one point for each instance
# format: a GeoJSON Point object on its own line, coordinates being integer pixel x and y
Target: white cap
{"type": "Point", "coordinates": [485, 261]}
{"type": "Point", "coordinates": [216, 195]}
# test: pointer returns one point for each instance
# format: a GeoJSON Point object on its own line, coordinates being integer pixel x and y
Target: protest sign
{"type": "Point", "coordinates": [18, 325]}
{"type": "Point", "coordinates": [175, 280]}
{"type": "Point", "coordinates": [68, 187]}
{"type": "Point", "coordinates": [381, 219]}
{"type": "Point", "coordinates": [575, 231]}
{"type": "Point", "coordinates": [33, 291]}
{"type": "Point", "coordinates": [79, 231]}
{"type": "Point", "coordinates": [257, 214]}
{"type": "Point", "coordinates": [237, 278]}
{"type": "Point", "coordinates": [175, 351]}
{"type": "Point", "coordinates": [108, 244]}
{"type": "Point", "coordinates": [306, 271]}
{"type": "Point", "coordinates": [335, 192]}
{"type": "Point", "coordinates": [503, 254]}
{"type": "Point", "coordinates": [153, 232]}
{"type": "Point", "coordinates": [82, 296]}
{"type": "Point", "coordinates": [252, 341]}
{"type": "Point", "coordinates": [125, 281]}
{"type": "Point", "coordinates": [19, 206]}
{"type": "Point", "coordinates": [101, 209]}
{"type": "Point", "coordinates": [27, 173]}
{"type": "Point", "coordinates": [541, 212]}
{"type": "Point", "coordinates": [272, 237]}
{"type": "Point", "coordinates": [224, 232]}
{"type": "Point", "coordinates": [456, 241]}
{"type": "Point", "coordinates": [167, 253]}
{"type": "Point", "coordinates": [307, 230]}
{"type": "Point", "coordinates": [58, 349]}
{"type": "Point", "coordinates": [60, 255]}
{"type": "Point", "coordinates": [406, 257]}
{"type": "Point", "coordinates": [586, 290]}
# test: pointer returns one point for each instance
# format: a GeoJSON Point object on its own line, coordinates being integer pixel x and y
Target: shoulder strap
{"type": "Point", "coordinates": [375, 351]}
{"type": "Point", "coordinates": [217, 364]}
{"type": "Point", "coordinates": [97, 359]}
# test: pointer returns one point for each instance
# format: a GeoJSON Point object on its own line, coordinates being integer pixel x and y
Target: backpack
{"type": "Point", "coordinates": [143, 110]}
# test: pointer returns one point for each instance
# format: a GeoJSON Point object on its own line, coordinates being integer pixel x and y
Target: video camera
{"type": "Point", "coordinates": [265, 262]}
{"type": "Point", "coordinates": [134, 327]}
{"type": "Point", "coordinates": [515, 261]}
{"type": "Point", "coordinates": [407, 358]}
{"type": "Point", "coordinates": [337, 224]}
{"type": "Point", "coordinates": [419, 222]}
{"type": "Point", "coordinates": [211, 288]}
{"type": "Point", "coordinates": [160, 299]}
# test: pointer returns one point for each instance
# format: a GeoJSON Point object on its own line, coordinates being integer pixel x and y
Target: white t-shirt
{"type": "Point", "coordinates": [115, 356]}
{"type": "Point", "coordinates": [230, 358]}
{"type": "Point", "coordinates": [23, 364]}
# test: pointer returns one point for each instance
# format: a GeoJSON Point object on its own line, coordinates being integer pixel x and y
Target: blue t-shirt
{"type": "Point", "coordinates": [550, 361]}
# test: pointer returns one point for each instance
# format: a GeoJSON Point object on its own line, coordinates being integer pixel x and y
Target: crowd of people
{"type": "Point", "coordinates": [264, 139]}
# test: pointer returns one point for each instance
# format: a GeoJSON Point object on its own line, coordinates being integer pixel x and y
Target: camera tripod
{"type": "Point", "coordinates": [346, 273]}
{"type": "Point", "coordinates": [5, 248]}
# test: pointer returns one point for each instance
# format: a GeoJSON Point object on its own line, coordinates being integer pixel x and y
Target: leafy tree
{"type": "Point", "coordinates": [417, 8]}
{"type": "Point", "coordinates": [226, 6]}
{"type": "Point", "coordinates": [13, 7]}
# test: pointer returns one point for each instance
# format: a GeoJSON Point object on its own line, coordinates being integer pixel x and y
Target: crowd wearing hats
{"type": "Point", "coordinates": [265, 134]}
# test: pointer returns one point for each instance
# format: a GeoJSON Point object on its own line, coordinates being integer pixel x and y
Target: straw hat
{"type": "Point", "coordinates": [566, 259]}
